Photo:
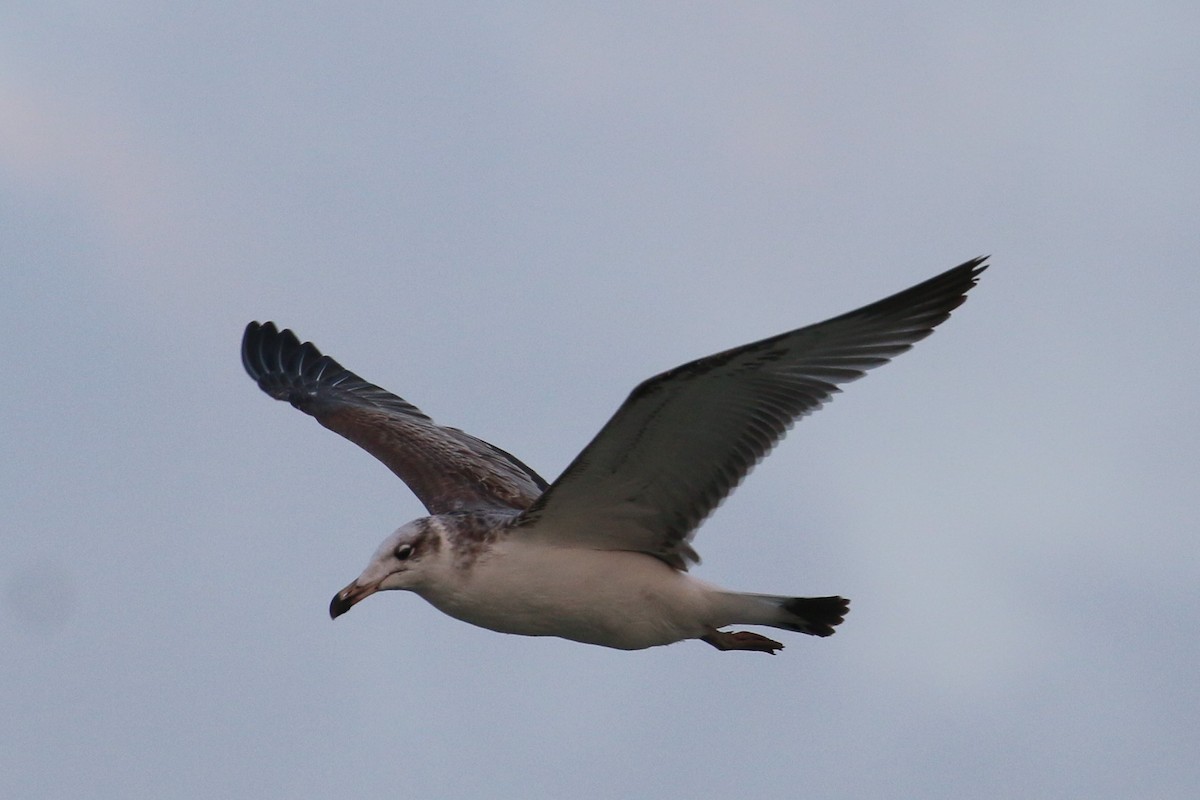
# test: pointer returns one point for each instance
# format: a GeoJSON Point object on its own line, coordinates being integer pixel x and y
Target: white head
{"type": "Point", "coordinates": [397, 564]}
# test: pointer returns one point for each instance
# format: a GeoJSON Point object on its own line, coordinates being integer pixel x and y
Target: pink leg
{"type": "Point", "coordinates": [741, 640]}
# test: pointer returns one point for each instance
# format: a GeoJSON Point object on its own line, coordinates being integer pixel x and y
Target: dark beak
{"type": "Point", "coordinates": [346, 598]}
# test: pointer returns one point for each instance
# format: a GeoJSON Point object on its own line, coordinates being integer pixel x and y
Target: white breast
{"type": "Point", "coordinates": [613, 598]}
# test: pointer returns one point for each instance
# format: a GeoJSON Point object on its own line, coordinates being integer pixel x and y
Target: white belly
{"type": "Point", "coordinates": [612, 598]}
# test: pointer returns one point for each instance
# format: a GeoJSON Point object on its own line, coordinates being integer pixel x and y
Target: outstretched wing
{"type": "Point", "coordinates": [684, 439]}
{"type": "Point", "coordinates": [448, 470]}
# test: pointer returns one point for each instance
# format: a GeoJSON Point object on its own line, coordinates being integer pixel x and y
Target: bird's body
{"type": "Point", "coordinates": [600, 556]}
{"type": "Point", "coordinates": [615, 598]}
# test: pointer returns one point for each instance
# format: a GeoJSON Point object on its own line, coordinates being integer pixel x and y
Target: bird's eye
{"type": "Point", "coordinates": [404, 551]}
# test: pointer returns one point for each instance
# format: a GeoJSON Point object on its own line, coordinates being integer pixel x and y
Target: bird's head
{"type": "Point", "coordinates": [397, 564]}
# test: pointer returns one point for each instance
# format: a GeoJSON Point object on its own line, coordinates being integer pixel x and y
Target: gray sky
{"type": "Point", "coordinates": [510, 217]}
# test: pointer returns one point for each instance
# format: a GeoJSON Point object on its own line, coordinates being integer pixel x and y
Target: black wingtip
{"type": "Point", "coordinates": [929, 303]}
{"type": "Point", "coordinates": [257, 340]}
{"type": "Point", "coordinates": [975, 265]}
{"type": "Point", "coordinates": [971, 270]}
{"type": "Point", "coordinates": [277, 360]}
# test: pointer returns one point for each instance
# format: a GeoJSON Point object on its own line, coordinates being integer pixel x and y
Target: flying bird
{"type": "Point", "coordinates": [600, 556]}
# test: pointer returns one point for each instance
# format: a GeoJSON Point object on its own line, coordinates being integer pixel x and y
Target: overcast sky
{"type": "Point", "coordinates": [510, 216]}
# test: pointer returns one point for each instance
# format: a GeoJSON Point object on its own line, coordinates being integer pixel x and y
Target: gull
{"type": "Point", "coordinates": [600, 556]}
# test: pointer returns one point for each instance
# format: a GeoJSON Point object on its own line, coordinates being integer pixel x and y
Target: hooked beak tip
{"type": "Point", "coordinates": [344, 600]}
{"type": "Point", "coordinates": [338, 605]}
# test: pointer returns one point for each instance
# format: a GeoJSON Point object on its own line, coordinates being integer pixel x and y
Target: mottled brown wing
{"type": "Point", "coordinates": [684, 439]}
{"type": "Point", "coordinates": [447, 469]}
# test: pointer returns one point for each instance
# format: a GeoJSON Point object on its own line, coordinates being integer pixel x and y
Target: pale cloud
{"type": "Point", "coordinates": [87, 156]}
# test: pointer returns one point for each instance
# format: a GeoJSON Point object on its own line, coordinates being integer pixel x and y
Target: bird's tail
{"type": "Point", "coordinates": [816, 616]}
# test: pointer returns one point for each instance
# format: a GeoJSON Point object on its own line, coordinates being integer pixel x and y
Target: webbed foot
{"type": "Point", "coordinates": [741, 640]}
